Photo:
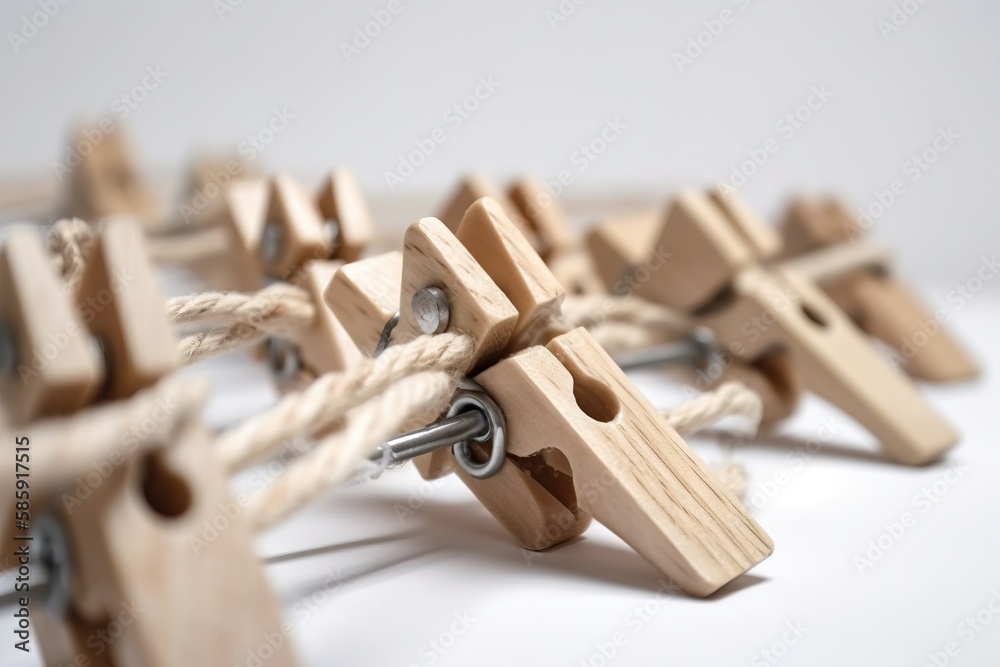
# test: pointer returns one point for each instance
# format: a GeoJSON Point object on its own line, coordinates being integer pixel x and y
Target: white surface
{"type": "Point", "coordinates": [383, 605]}
{"type": "Point", "coordinates": [225, 75]}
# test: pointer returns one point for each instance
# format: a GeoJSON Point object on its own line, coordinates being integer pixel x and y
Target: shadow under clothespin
{"type": "Point", "coordinates": [716, 266]}
{"type": "Point", "coordinates": [122, 476]}
{"type": "Point", "coordinates": [581, 440]}
{"type": "Point", "coordinates": [820, 233]}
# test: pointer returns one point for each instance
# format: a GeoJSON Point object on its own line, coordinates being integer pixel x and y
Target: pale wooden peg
{"type": "Point", "coordinates": [754, 311]}
{"type": "Point", "coordinates": [475, 186]}
{"type": "Point", "coordinates": [630, 470]}
{"type": "Point", "coordinates": [878, 301]}
{"type": "Point", "coordinates": [51, 367]}
{"type": "Point", "coordinates": [342, 202]}
{"type": "Point", "coordinates": [294, 231]}
{"type": "Point", "coordinates": [544, 216]}
{"type": "Point", "coordinates": [433, 257]}
{"type": "Point", "coordinates": [757, 234]}
{"type": "Point", "coordinates": [505, 254]}
{"type": "Point", "coordinates": [324, 346]}
{"type": "Point", "coordinates": [244, 215]}
{"type": "Point", "coordinates": [106, 183]}
{"type": "Point", "coordinates": [557, 244]}
{"type": "Point", "coordinates": [621, 246]}
{"type": "Point", "coordinates": [364, 296]}
{"type": "Point", "coordinates": [120, 304]}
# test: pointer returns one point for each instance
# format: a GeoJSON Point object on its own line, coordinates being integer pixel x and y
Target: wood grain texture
{"type": "Point", "coordinates": [489, 234]}
{"type": "Point", "coordinates": [433, 257]}
{"type": "Point", "coordinates": [364, 296]}
{"type": "Point", "coordinates": [244, 215]}
{"type": "Point", "coordinates": [631, 471]}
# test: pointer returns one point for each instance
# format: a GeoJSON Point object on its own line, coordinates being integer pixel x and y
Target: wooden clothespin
{"type": "Point", "coordinates": [106, 181]}
{"type": "Point", "coordinates": [540, 218]}
{"type": "Point", "coordinates": [132, 522]}
{"type": "Point", "coordinates": [582, 441]}
{"type": "Point", "coordinates": [710, 267]}
{"type": "Point", "coordinates": [878, 301]}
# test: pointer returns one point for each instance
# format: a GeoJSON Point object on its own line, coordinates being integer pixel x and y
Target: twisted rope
{"type": "Point", "coordinates": [276, 308]}
{"type": "Point", "coordinates": [333, 460]}
{"type": "Point", "coordinates": [328, 399]}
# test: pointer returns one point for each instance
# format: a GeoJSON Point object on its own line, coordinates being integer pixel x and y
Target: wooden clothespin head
{"type": "Point", "coordinates": [582, 441]}
{"type": "Point", "coordinates": [712, 272]}
{"type": "Point", "coordinates": [135, 537]}
{"type": "Point", "coordinates": [561, 249]}
{"type": "Point", "coordinates": [321, 347]}
{"type": "Point", "coordinates": [347, 218]}
{"type": "Point", "coordinates": [49, 362]}
{"type": "Point", "coordinates": [877, 300]}
{"type": "Point", "coordinates": [203, 203]}
{"type": "Point", "coordinates": [631, 259]}
{"type": "Point", "coordinates": [106, 182]}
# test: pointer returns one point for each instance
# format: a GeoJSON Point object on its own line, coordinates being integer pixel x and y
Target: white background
{"type": "Point", "coordinates": [609, 59]}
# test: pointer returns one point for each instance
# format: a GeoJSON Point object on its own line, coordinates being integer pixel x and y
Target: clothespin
{"type": "Point", "coordinates": [710, 267]}
{"type": "Point", "coordinates": [876, 299]}
{"type": "Point", "coordinates": [581, 440]}
{"type": "Point", "coordinates": [130, 525]}
{"type": "Point", "coordinates": [106, 182]}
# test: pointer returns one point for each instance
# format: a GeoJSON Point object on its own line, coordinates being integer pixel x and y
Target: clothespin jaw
{"type": "Point", "coordinates": [558, 246]}
{"type": "Point", "coordinates": [364, 295]}
{"type": "Point", "coordinates": [632, 257]}
{"type": "Point", "coordinates": [324, 346]}
{"type": "Point", "coordinates": [294, 231]}
{"type": "Point", "coordinates": [119, 302]}
{"type": "Point", "coordinates": [878, 302]}
{"type": "Point", "coordinates": [106, 182]}
{"type": "Point", "coordinates": [137, 538]}
{"type": "Point", "coordinates": [343, 206]}
{"type": "Point", "coordinates": [49, 363]}
{"type": "Point", "coordinates": [713, 274]}
{"type": "Point", "coordinates": [631, 471]}
{"type": "Point", "coordinates": [582, 448]}
{"type": "Point", "coordinates": [244, 215]}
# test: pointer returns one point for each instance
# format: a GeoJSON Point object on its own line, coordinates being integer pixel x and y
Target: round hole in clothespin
{"type": "Point", "coordinates": [431, 310]}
